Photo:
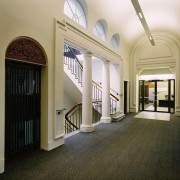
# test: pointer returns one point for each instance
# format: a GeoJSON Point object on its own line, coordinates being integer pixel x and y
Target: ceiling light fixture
{"type": "Point", "coordinates": [143, 20]}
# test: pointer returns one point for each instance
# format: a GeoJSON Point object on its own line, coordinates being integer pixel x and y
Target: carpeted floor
{"type": "Point", "coordinates": [132, 149]}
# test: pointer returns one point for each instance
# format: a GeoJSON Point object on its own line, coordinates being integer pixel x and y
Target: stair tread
{"type": "Point", "coordinates": [118, 116]}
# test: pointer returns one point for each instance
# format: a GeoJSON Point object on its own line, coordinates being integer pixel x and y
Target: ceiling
{"type": "Point", "coordinates": [160, 15]}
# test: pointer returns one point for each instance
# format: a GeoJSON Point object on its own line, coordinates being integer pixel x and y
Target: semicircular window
{"type": "Point", "coordinates": [99, 30]}
{"type": "Point", "coordinates": [74, 10]}
{"type": "Point", "coordinates": [115, 42]}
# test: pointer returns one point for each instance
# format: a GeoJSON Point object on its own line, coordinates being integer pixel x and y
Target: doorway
{"type": "Point", "coordinates": [23, 62]}
{"type": "Point", "coordinates": [22, 108]}
{"type": "Point", "coordinates": [157, 95]}
{"type": "Point", "coordinates": [125, 96]}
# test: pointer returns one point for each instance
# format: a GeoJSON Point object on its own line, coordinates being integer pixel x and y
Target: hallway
{"type": "Point", "coordinates": [133, 148]}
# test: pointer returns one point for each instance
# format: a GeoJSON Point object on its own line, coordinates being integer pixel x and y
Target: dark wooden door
{"type": "Point", "coordinates": [22, 108]}
{"type": "Point", "coordinates": [125, 97]}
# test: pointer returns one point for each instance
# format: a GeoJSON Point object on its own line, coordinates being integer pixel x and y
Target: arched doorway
{"type": "Point", "coordinates": [24, 58]}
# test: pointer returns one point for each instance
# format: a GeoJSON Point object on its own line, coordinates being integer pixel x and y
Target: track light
{"type": "Point", "coordinates": [143, 20]}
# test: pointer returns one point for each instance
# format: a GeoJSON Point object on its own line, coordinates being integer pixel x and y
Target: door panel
{"type": "Point", "coordinates": [162, 96]}
{"type": "Point", "coordinates": [149, 95]}
{"type": "Point", "coordinates": [157, 95]}
{"type": "Point", "coordinates": [22, 108]}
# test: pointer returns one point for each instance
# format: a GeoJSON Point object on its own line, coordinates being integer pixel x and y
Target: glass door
{"type": "Point", "coordinates": [163, 96]}
{"type": "Point", "coordinates": [157, 95]}
{"type": "Point", "coordinates": [146, 95]}
{"type": "Point", "coordinates": [149, 95]}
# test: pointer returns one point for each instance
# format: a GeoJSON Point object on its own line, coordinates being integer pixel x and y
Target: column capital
{"type": "Point", "coordinates": [86, 53]}
{"type": "Point", "coordinates": [106, 61]}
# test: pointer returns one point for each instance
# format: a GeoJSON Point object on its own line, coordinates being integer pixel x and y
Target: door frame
{"type": "Point", "coordinates": [141, 94]}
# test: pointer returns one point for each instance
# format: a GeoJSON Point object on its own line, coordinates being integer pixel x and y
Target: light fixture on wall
{"type": "Point", "coordinates": [143, 20]}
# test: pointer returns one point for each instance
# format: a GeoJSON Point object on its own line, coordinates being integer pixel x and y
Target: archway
{"type": "Point", "coordinates": [24, 58]}
{"type": "Point", "coordinates": [144, 57]}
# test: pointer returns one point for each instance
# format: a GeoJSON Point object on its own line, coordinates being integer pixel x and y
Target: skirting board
{"type": "Point", "coordinates": [177, 113]}
{"type": "Point", "coordinates": [132, 109]}
{"type": "Point", "coordinates": [56, 143]}
{"type": "Point", "coordinates": [1, 165]}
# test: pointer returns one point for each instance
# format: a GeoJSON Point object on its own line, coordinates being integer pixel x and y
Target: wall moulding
{"type": "Point", "coordinates": [156, 64]}
{"type": "Point", "coordinates": [26, 50]}
{"type": "Point", "coordinates": [79, 37]}
{"type": "Point", "coordinates": [168, 59]}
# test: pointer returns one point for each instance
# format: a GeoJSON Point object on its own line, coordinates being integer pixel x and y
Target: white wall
{"type": "Point", "coordinates": [68, 103]}
{"type": "Point", "coordinates": [144, 57]}
{"type": "Point", "coordinates": [97, 71]}
{"type": "Point", "coordinates": [30, 18]}
{"type": "Point", "coordinates": [36, 19]}
{"type": "Point", "coordinates": [115, 77]}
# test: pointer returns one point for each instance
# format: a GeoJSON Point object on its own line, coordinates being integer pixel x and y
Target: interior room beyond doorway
{"type": "Point", "coordinates": [157, 95]}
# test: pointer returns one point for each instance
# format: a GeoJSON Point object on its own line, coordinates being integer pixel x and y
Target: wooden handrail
{"type": "Point", "coordinates": [97, 84]}
{"type": "Point", "coordinates": [78, 104]}
{"type": "Point", "coordinates": [72, 109]}
{"type": "Point", "coordinates": [76, 57]}
{"type": "Point", "coordinates": [71, 123]}
{"type": "Point", "coordinates": [117, 99]}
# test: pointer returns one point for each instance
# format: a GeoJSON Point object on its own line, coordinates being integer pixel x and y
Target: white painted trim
{"type": "Point", "coordinates": [137, 64]}
{"type": "Point", "coordinates": [2, 165]}
{"type": "Point", "coordinates": [76, 132]}
{"type": "Point", "coordinates": [54, 144]}
{"type": "Point", "coordinates": [177, 113]}
{"type": "Point", "coordinates": [83, 40]}
{"type": "Point", "coordinates": [133, 109]}
{"type": "Point", "coordinates": [71, 134]}
{"type": "Point", "coordinates": [106, 120]}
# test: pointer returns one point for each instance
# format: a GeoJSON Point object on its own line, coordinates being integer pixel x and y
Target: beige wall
{"type": "Point", "coordinates": [164, 55]}
{"type": "Point", "coordinates": [36, 19]}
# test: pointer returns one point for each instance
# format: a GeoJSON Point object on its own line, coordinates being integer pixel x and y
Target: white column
{"type": "Point", "coordinates": [86, 125]}
{"type": "Point", "coordinates": [105, 118]}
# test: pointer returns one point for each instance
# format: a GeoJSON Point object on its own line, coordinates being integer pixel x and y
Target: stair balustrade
{"type": "Point", "coordinates": [73, 118]}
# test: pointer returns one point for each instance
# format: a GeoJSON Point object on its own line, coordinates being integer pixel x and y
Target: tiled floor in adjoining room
{"type": "Point", "coordinates": [154, 116]}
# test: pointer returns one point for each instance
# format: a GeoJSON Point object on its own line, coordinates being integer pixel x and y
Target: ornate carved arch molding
{"type": "Point", "coordinates": [27, 50]}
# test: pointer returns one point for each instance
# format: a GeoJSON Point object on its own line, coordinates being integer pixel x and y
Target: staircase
{"type": "Point", "coordinates": [74, 69]}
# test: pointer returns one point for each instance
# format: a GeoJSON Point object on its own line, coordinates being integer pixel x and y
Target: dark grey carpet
{"type": "Point", "coordinates": [132, 149]}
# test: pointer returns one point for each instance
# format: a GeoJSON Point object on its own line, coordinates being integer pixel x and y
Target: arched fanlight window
{"type": "Point", "coordinates": [74, 10]}
{"type": "Point", "coordinates": [100, 29]}
{"type": "Point", "coordinates": [115, 42]}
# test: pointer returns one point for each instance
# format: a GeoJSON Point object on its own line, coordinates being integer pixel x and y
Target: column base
{"type": "Point", "coordinates": [86, 128]}
{"type": "Point", "coordinates": [106, 120]}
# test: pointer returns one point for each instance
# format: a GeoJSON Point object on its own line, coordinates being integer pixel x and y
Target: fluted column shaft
{"type": "Point", "coordinates": [106, 93]}
{"type": "Point", "coordinates": [86, 125]}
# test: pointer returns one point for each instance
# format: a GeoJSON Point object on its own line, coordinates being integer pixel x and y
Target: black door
{"type": "Point", "coordinates": [125, 97]}
{"type": "Point", "coordinates": [22, 108]}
